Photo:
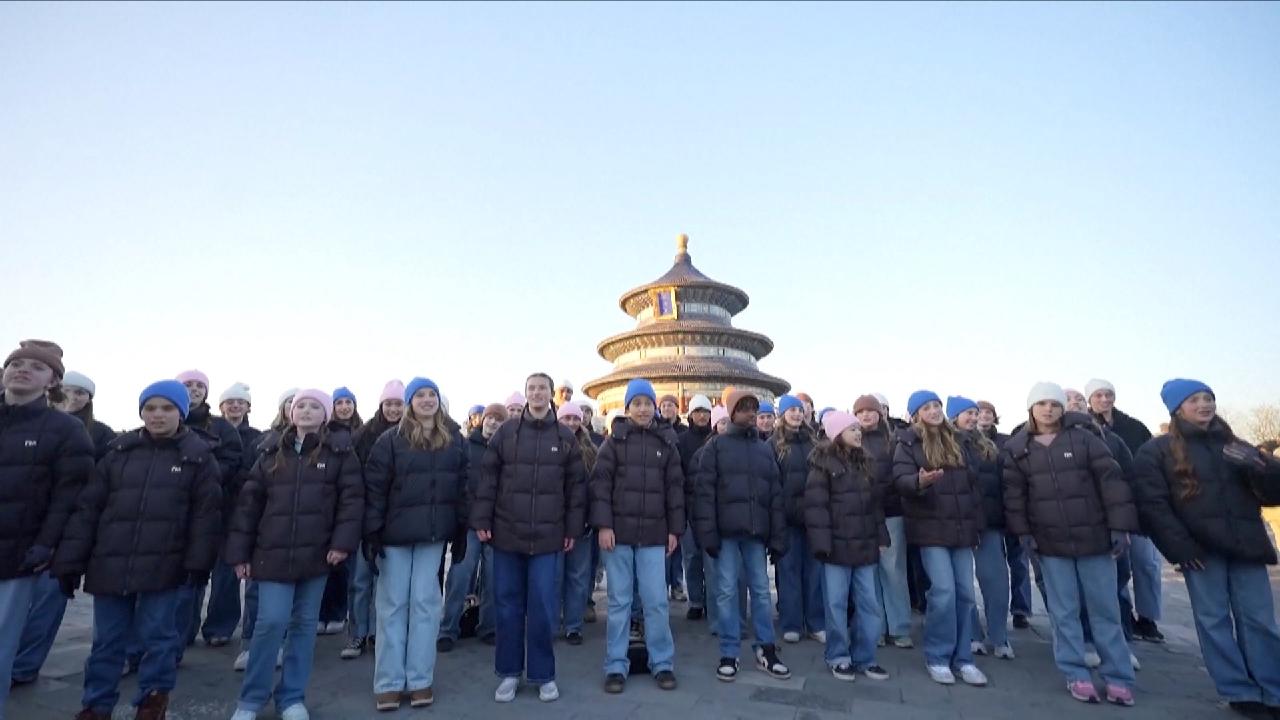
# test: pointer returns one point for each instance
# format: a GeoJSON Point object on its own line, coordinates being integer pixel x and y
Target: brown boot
{"type": "Point", "coordinates": [421, 698]}
{"type": "Point", "coordinates": [387, 701]}
{"type": "Point", "coordinates": [153, 707]}
{"type": "Point", "coordinates": [87, 714]}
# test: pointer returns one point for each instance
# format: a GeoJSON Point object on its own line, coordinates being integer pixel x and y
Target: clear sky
{"type": "Point", "coordinates": [968, 198]}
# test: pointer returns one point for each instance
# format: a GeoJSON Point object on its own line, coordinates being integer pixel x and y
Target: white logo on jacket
{"type": "Point", "coordinates": [1067, 455]}
{"type": "Point", "coordinates": [555, 448]}
{"type": "Point", "coordinates": [175, 468]}
{"type": "Point", "coordinates": [30, 443]}
{"type": "Point", "coordinates": [320, 466]}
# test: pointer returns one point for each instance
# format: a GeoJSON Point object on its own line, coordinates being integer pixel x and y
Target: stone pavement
{"type": "Point", "coordinates": [1172, 683]}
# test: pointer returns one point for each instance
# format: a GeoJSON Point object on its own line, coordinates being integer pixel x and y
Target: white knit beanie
{"type": "Point", "coordinates": [80, 380]}
{"type": "Point", "coordinates": [1097, 384]}
{"type": "Point", "coordinates": [1046, 391]}
{"type": "Point", "coordinates": [700, 402]}
{"type": "Point", "coordinates": [237, 391]}
{"type": "Point", "coordinates": [286, 396]}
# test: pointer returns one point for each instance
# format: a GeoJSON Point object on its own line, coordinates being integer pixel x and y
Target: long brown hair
{"type": "Point", "coordinates": [939, 443]}
{"type": "Point", "coordinates": [986, 449]}
{"type": "Point", "coordinates": [853, 457]}
{"type": "Point", "coordinates": [283, 452]}
{"type": "Point", "coordinates": [588, 448]}
{"type": "Point", "coordinates": [781, 448]}
{"type": "Point", "coordinates": [419, 437]}
{"type": "Point", "coordinates": [1184, 472]}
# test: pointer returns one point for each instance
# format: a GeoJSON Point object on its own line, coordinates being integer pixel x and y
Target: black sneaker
{"type": "Point", "coordinates": [695, 613]}
{"type": "Point", "coordinates": [573, 637]}
{"type": "Point", "coordinates": [875, 672]}
{"type": "Point", "coordinates": [615, 683]}
{"type": "Point", "coordinates": [768, 661]}
{"type": "Point", "coordinates": [728, 669]}
{"type": "Point", "coordinates": [444, 644]}
{"type": "Point", "coordinates": [666, 680]}
{"type": "Point", "coordinates": [844, 671]}
{"type": "Point", "coordinates": [353, 649]}
{"type": "Point", "coordinates": [1145, 629]}
{"type": "Point", "coordinates": [1021, 622]}
{"type": "Point", "coordinates": [637, 630]}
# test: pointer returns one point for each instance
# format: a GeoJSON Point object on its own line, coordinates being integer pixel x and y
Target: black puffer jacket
{"type": "Point", "coordinates": [151, 514]}
{"type": "Point", "coordinates": [794, 466]}
{"type": "Point", "coordinates": [1130, 429]}
{"type": "Point", "coordinates": [99, 432]}
{"type": "Point", "coordinates": [1224, 517]}
{"type": "Point", "coordinates": [738, 493]}
{"type": "Point", "coordinates": [45, 459]}
{"type": "Point", "coordinates": [1070, 495]}
{"type": "Point", "coordinates": [689, 443]}
{"type": "Point", "coordinates": [990, 479]}
{"type": "Point", "coordinates": [532, 490]}
{"type": "Point", "coordinates": [414, 496]}
{"type": "Point", "coordinates": [637, 487]}
{"type": "Point", "coordinates": [878, 444]}
{"type": "Point", "coordinates": [842, 514]}
{"type": "Point", "coordinates": [948, 513]}
{"type": "Point", "coordinates": [222, 438]}
{"type": "Point", "coordinates": [293, 510]}
{"type": "Point", "coordinates": [368, 434]}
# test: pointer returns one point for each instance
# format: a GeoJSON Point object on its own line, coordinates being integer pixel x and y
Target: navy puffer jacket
{"type": "Point", "coordinates": [738, 492]}
{"type": "Point", "coordinates": [637, 486]}
{"type": "Point", "coordinates": [415, 495]}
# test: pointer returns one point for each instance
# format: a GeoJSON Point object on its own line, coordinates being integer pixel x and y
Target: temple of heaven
{"type": "Point", "coordinates": [684, 341]}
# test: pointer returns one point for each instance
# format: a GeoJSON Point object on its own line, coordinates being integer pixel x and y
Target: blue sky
{"type": "Point", "coordinates": [969, 198]}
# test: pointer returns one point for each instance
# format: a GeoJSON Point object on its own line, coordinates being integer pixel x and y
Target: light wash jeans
{"type": "Point", "coordinates": [992, 570]}
{"type": "Point", "coordinates": [360, 597]}
{"type": "Point", "coordinates": [409, 610]}
{"type": "Point", "coordinates": [48, 605]}
{"type": "Point", "coordinates": [1091, 581]}
{"type": "Point", "coordinates": [1235, 620]}
{"type": "Point", "coordinates": [799, 578]}
{"type": "Point", "coordinates": [891, 581]}
{"type": "Point", "coordinates": [748, 557]}
{"type": "Point", "coordinates": [626, 567]}
{"type": "Point", "coordinates": [15, 602]}
{"type": "Point", "coordinates": [839, 583]}
{"type": "Point", "coordinates": [1148, 568]}
{"type": "Point", "coordinates": [287, 614]}
{"type": "Point", "coordinates": [948, 620]}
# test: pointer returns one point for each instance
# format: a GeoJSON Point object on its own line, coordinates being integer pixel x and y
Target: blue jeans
{"type": "Point", "coordinates": [1019, 577]}
{"type": "Point", "coordinates": [799, 577]}
{"type": "Point", "coordinates": [488, 625]}
{"type": "Point", "coordinates": [695, 582]}
{"type": "Point", "coordinates": [250, 614]}
{"type": "Point", "coordinates": [674, 564]}
{"type": "Point", "coordinates": [409, 610]}
{"type": "Point", "coordinates": [187, 615]}
{"type": "Point", "coordinates": [628, 567]}
{"type": "Point", "coordinates": [359, 597]}
{"type": "Point", "coordinates": [576, 588]}
{"type": "Point", "coordinates": [993, 580]}
{"type": "Point", "coordinates": [117, 618]}
{"type": "Point", "coordinates": [1235, 620]}
{"type": "Point", "coordinates": [891, 582]}
{"type": "Point", "coordinates": [458, 584]}
{"type": "Point", "coordinates": [1147, 567]}
{"type": "Point", "coordinates": [15, 603]}
{"type": "Point", "coordinates": [287, 613]}
{"type": "Point", "coordinates": [48, 605]}
{"type": "Point", "coordinates": [948, 620]}
{"type": "Point", "coordinates": [750, 557]}
{"type": "Point", "coordinates": [526, 587]}
{"type": "Point", "coordinates": [224, 602]}
{"type": "Point", "coordinates": [1091, 581]}
{"type": "Point", "coordinates": [839, 583]}
{"type": "Point", "coordinates": [709, 565]}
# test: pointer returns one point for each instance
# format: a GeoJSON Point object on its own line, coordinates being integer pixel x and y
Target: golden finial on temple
{"type": "Point", "coordinates": [682, 243]}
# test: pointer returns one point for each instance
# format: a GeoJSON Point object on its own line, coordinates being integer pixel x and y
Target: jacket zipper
{"type": "Point", "coordinates": [1053, 474]}
{"type": "Point", "coordinates": [293, 531]}
{"type": "Point", "coordinates": [142, 504]}
{"type": "Point", "coordinates": [533, 495]}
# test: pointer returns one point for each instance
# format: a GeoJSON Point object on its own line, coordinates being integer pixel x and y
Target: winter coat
{"type": "Point", "coordinates": [99, 432]}
{"type": "Point", "coordinates": [878, 445]}
{"type": "Point", "coordinates": [1223, 518]}
{"type": "Point", "coordinates": [1130, 429]}
{"type": "Point", "coordinates": [150, 515]}
{"type": "Point", "coordinates": [948, 513]}
{"type": "Point", "coordinates": [795, 472]}
{"type": "Point", "coordinates": [843, 518]}
{"type": "Point", "coordinates": [293, 510]}
{"type": "Point", "coordinates": [738, 492]}
{"type": "Point", "coordinates": [689, 443]}
{"type": "Point", "coordinates": [1070, 495]}
{"type": "Point", "coordinates": [990, 480]}
{"type": "Point", "coordinates": [415, 496]}
{"type": "Point", "coordinates": [637, 486]}
{"type": "Point", "coordinates": [46, 457]}
{"type": "Point", "coordinates": [222, 437]}
{"type": "Point", "coordinates": [532, 490]}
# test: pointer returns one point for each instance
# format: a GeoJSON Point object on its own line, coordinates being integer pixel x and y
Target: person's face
{"type": "Point", "coordinates": [669, 410]}
{"type": "Point", "coordinates": [573, 422]}
{"type": "Point", "coordinates": [1076, 402]}
{"type": "Point", "coordinates": [986, 419]}
{"type": "Point", "coordinates": [1047, 413]}
{"type": "Point", "coordinates": [587, 415]}
{"type": "Point", "coordinates": [851, 436]}
{"type": "Point", "coordinates": [808, 408]}
{"type": "Point", "coordinates": [640, 410]}
{"type": "Point", "coordinates": [308, 414]}
{"type": "Point", "coordinates": [968, 419]}
{"type": "Point", "coordinates": [393, 410]}
{"type": "Point", "coordinates": [722, 425]}
{"type": "Point", "coordinates": [234, 409]}
{"type": "Point", "coordinates": [744, 415]}
{"type": "Point", "coordinates": [932, 413]}
{"type": "Point", "coordinates": [344, 408]}
{"type": "Point", "coordinates": [765, 423]}
{"type": "Point", "coordinates": [884, 410]}
{"type": "Point", "coordinates": [537, 393]}
{"type": "Point", "coordinates": [473, 420]}
{"type": "Point", "coordinates": [793, 418]}
{"type": "Point", "coordinates": [26, 376]}
{"type": "Point", "coordinates": [425, 403]}
{"type": "Point", "coordinates": [564, 395]}
{"type": "Point", "coordinates": [160, 417]}
{"type": "Point", "coordinates": [514, 410]}
{"type": "Point", "coordinates": [1102, 401]}
{"type": "Point", "coordinates": [868, 419]}
{"type": "Point", "coordinates": [76, 399]}
{"type": "Point", "coordinates": [1198, 409]}
{"type": "Point", "coordinates": [196, 392]}
{"type": "Point", "coordinates": [700, 418]}
{"type": "Point", "coordinates": [489, 425]}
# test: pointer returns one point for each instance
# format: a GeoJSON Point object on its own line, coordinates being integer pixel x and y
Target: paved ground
{"type": "Point", "coordinates": [1172, 683]}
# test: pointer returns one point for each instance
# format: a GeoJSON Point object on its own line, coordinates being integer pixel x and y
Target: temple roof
{"type": "Point", "coordinates": [684, 275]}
{"type": "Point", "coordinates": [685, 332]}
{"type": "Point", "coordinates": [690, 369]}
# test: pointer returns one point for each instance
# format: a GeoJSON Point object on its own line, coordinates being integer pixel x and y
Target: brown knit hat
{"type": "Point", "coordinates": [495, 410]}
{"type": "Point", "coordinates": [731, 397]}
{"type": "Point", "coordinates": [986, 405]}
{"type": "Point", "coordinates": [667, 397]}
{"type": "Point", "coordinates": [867, 402]}
{"type": "Point", "coordinates": [49, 353]}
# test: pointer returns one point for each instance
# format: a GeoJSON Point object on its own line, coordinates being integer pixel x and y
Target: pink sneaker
{"type": "Point", "coordinates": [1083, 690]}
{"type": "Point", "coordinates": [1117, 695]}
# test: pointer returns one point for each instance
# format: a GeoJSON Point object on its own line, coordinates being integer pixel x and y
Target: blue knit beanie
{"type": "Point", "coordinates": [957, 404]}
{"type": "Point", "coordinates": [919, 399]}
{"type": "Point", "coordinates": [343, 392]}
{"type": "Point", "coordinates": [786, 402]}
{"type": "Point", "coordinates": [1176, 391]}
{"type": "Point", "coordinates": [171, 390]}
{"type": "Point", "coordinates": [765, 409]}
{"type": "Point", "coordinates": [639, 387]}
{"type": "Point", "coordinates": [475, 410]}
{"type": "Point", "coordinates": [417, 384]}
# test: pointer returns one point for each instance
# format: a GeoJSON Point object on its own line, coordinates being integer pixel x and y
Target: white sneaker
{"type": "Point", "coordinates": [1004, 652]}
{"type": "Point", "coordinates": [1134, 659]}
{"type": "Point", "coordinates": [971, 675]}
{"type": "Point", "coordinates": [245, 715]}
{"type": "Point", "coordinates": [506, 691]}
{"type": "Point", "coordinates": [242, 661]}
{"type": "Point", "coordinates": [296, 711]}
{"type": "Point", "coordinates": [791, 637]}
{"type": "Point", "coordinates": [819, 636]}
{"type": "Point", "coordinates": [941, 674]}
{"type": "Point", "coordinates": [549, 692]}
{"type": "Point", "coordinates": [335, 627]}
{"type": "Point", "coordinates": [977, 647]}
{"type": "Point", "coordinates": [1091, 659]}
